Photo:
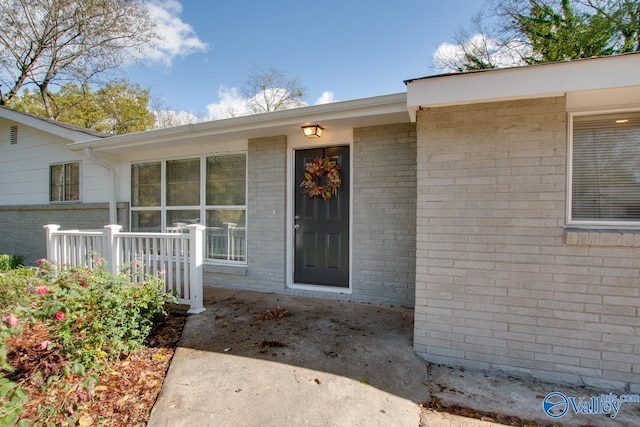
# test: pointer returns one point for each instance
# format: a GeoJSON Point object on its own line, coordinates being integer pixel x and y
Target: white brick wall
{"type": "Point", "coordinates": [266, 237]}
{"type": "Point", "coordinates": [497, 287]}
{"type": "Point", "coordinates": [384, 205]}
{"type": "Point", "coordinates": [384, 213]}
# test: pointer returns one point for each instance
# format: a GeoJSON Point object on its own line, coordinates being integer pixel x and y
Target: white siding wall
{"type": "Point", "coordinates": [24, 167]}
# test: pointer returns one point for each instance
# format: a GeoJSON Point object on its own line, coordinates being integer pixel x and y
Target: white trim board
{"type": "Point", "coordinates": [535, 81]}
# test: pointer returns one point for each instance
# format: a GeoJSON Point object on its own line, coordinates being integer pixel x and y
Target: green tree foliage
{"type": "Point", "coordinates": [116, 108]}
{"type": "Point", "coordinates": [49, 42]}
{"type": "Point", "coordinates": [534, 31]}
{"type": "Point", "coordinates": [565, 30]}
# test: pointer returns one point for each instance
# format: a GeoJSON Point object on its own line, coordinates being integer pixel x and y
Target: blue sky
{"type": "Point", "coordinates": [344, 49]}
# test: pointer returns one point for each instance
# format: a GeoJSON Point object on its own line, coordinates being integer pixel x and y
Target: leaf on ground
{"type": "Point", "coordinates": [126, 392]}
{"type": "Point", "coordinates": [85, 421]}
{"type": "Point", "coordinates": [436, 404]}
{"type": "Point", "coordinates": [273, 314]}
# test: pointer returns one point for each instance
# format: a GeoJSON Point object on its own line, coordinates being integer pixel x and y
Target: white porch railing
{"type": "Point", "coordinates": [174, 257]}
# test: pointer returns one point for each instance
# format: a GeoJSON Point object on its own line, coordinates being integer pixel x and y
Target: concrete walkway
{"type": "Point", "coordinates": [255, 359]}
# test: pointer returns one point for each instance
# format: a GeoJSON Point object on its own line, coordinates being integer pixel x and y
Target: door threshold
{"type": "Point", "coordinates": [320, 288]}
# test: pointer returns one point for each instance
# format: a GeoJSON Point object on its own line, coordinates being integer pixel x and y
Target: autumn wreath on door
{"type": "Point", "coordinates": [322, 178]}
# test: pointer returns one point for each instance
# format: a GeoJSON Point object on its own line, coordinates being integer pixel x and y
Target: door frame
{"type": "Point", "coordinates": [292, 146]}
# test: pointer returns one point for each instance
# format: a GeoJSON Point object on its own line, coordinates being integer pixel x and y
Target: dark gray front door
{"type": "Point", "coordinates": [321, 232]}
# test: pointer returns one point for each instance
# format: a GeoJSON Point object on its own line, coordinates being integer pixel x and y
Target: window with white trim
{"type": "Point", "coordinates": [605, 169]}
{"type": "Point", "coordinates": [64, 182]}
{"type": "Point", "coordinates": [169, 195]}
{"type": "Point", "coordinates": [226, 194]}
{"type": "Point", "coordinates": [146, 197]}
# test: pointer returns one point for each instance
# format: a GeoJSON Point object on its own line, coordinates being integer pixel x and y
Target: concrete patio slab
{"type": "Point", "coordinates": [256, 359]}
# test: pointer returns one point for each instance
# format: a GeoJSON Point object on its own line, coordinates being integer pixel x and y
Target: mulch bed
{"type": "Point", "coordinates": [122, 395]}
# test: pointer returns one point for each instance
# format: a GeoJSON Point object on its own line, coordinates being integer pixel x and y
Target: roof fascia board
{"type": "Point", "coordinates": [537, 81]}
{"type": "Point", "coordinates": [386, 104]}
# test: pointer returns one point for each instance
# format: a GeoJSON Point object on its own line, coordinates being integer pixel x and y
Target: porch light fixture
{"type": "Point", "coordinates": [312, 131]}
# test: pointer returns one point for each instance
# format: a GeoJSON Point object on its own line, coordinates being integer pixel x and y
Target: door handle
{"type": "Point", "coordinates": [295, 227]}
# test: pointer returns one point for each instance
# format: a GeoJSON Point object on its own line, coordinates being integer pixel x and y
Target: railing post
{"type": "Point", "coordinates": [113, 247]}
{"type": "Point", "coordinates": [196, 247]}
{"type": "Point", "coordinates": [231, 226]}
{"type": "Point", "coordinates": [51, 242]}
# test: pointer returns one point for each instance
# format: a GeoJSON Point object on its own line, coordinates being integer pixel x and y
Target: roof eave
{"type": "Point", "coordinates": [63, 130]}
{"type": "Point", "coordinates": [258, 124]}
{"type": "Point", "coordinates": [538, 81]}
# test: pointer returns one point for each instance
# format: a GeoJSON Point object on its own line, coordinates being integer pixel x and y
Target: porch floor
{"type": "Point", "coordinates": [271, 360]}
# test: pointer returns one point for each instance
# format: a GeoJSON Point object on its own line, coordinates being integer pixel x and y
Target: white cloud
{"type": "Point", "coordinates": [231, 104]}
{"type": "Point", "coordinates": [447, 52]}
{"type": "Point", "coordinates": [447, 56]}
{"type": "Point", "coordinates": [326, 98]}
{"type": "Point", "coordinates": [178, 37]}
{"type": "Point", "coordinates": [274, 99]}
{"type": "Point", "coordinates": [170, 118]}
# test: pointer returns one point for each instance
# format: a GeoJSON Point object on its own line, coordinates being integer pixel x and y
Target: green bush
{"type": "Point", "coordinates": [93, 317]}
{"type": "Point", "coordinates": [110, 314]}
{"type": "Point", "coordinates": [10, 262]}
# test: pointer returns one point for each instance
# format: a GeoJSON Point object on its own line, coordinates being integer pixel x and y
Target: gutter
{"type": "Point", "coordinates": [113, 207]}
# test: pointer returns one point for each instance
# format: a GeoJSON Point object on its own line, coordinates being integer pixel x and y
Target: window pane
{"type": "Point", "coordinates": [178, 220]}
{"type": "Point", "coordinates": [226, 235]}
{"type": "Point", "coordinates": [145, 221]}
{"type": "Point", "coordinates": [145, 184]}
{"type": "Point", "coordinates": [606, 168]}
{"type": "Point", "coordinates": [72, 181]}
{"type": "Point", "coordinates": [57, 183]}
{"type": "Point", "coordinates": [226, 180]}
{"type": "Point", "coordinates": [65, 182]}
{"type": "Point", "coordinates": [183, 182]}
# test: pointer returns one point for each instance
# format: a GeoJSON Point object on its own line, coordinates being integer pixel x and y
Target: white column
{"type": "Point", "coordinates": [196, 252]}
{"type": "Point", "coordinates": [113, 247]}
{"type": "Point", "coordinates": [51, 242]}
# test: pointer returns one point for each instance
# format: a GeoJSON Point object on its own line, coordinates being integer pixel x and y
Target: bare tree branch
{"type": "Point", "coordinates": [49, 41]}
{"type": "Point", "coordinates": [271, 90]}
